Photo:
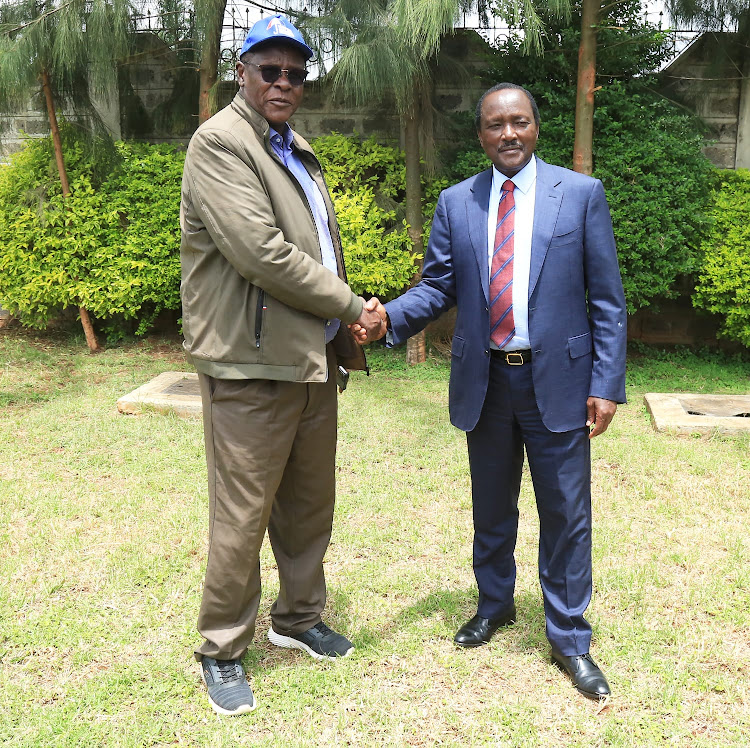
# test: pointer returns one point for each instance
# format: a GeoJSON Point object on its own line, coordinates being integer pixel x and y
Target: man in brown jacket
{"type": "Point", "coordinates": [265, 314]}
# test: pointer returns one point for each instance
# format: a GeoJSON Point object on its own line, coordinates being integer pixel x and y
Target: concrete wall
{"type": "Point", "coordinates": [32, 122]}
{"type": "Point", "coordinates": [158, 93]}
{"type": "Point", "coordinates": [707, 78]}
{"type": "Point", "coordinates": [158, 98]}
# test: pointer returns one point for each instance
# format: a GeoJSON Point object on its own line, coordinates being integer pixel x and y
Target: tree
{"type": "Point", "coordinates": [383, 48]}
{"type": "Point", "coordinates": [712, 14]}
{"type": "Point", "coordinates": [585, 88]}
{"type": "Point", "coordinates": [68, 51]}
{"type": "Point", "coordinates": [209, 22]}
{"type": "Point", "coordinates": [629, 48]}
{"type": "Point", "coordinates": [598, 26]}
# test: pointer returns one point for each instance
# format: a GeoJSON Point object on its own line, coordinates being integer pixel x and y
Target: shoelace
{"type": "Point", "coordinates": [324, 630]}
{"type": "Point", "coordinates": [227, 671]}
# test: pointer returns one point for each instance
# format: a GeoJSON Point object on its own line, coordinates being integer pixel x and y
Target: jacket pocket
{"type": "Point", "coordinates": [457, 347]}
{"type": "Point", "coordinates": [580, 345]}
{"type": "Point", "coordinates": [259, 309]}
{"type": "Point", "coordinates": [572, 233]}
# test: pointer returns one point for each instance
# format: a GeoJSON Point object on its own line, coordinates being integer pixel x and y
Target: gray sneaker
{"type": "Point", "coordinates": [228, 689]}
{"type": "Point", "coordinates": [319, 641]}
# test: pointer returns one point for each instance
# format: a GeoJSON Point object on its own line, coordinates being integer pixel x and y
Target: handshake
{"type": "Point", "coordinates": [371, 324]}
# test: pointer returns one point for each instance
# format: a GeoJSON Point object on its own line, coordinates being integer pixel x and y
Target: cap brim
{"type": "Point", "coordinates": [278, 41]}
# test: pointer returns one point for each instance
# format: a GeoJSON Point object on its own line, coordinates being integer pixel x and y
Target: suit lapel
{"type": "Point", "coordinates": [546, 209]}
{"type": "Point", "coordinates": [477, 206]}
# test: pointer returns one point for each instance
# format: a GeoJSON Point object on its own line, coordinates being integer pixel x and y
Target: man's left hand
{"type": "Point", "coordinates": [600, 413]}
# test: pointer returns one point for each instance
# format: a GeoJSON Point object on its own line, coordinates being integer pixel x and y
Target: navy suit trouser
{"type": "Point", "coordinates": [560, 465]}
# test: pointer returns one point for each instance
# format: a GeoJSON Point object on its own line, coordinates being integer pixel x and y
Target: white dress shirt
{"type": "Point", "coordinates": [524, 195]}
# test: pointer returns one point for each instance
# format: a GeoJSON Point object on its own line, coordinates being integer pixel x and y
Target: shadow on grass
{"type": "Point", "coordinates": [438, 616]}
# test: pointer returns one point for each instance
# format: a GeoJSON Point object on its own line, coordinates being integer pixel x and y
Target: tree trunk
{"type": "Point", "coordinates": [88, 328]}
{"type": "Point", "coordinates": [209, 67]}
{"type": "Point", "coordinates": [55, 130]}
{"type": "Point", "coordinates": [416, 350]}
{"type": "Point", "coordinates": [583, 161]}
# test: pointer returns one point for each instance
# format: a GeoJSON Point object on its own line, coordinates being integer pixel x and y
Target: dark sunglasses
{"type": "Point", "coordinates": [271, 73]}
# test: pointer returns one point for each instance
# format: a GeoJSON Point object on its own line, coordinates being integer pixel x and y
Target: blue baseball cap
{"type": "Point", "coordinates": [276, 28]}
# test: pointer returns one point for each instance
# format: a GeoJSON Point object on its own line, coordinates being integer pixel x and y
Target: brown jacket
{"type": "Point", "coordinates": [255, 294]}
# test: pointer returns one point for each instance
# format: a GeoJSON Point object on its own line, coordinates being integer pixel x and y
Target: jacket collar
{"type": "Point", "coordinates": [549, 193]}
{"type": "Point", "coordinates": [259, 123]}
{"type": "Point", "coordinates": [476, 215]}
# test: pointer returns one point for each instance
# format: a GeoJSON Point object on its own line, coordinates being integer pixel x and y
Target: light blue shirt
{"type": "Point", "coordinates": [282, 145]}
{"type": "Point", "coordinates": [524, 195]}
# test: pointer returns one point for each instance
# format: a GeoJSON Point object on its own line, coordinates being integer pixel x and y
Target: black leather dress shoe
{"type": "Point", "coordinates": [585, 674]}
{"type": "Point", "coordinates": [479, 631]}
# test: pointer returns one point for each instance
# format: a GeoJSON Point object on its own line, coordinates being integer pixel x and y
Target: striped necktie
{"type": "Point", "coordinates": [502, 325]}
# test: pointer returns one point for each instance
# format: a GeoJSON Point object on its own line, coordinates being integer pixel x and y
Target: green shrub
{"type": "Point", "coordinates": [723, 284]}
{"type": "Point", "coordinates": [112, 246]}
{"type": "Point", "coordinates": [351, 164]}
{"type": "Point", "coordinates": [378, 261]}
{"type": "Point", "coordinates": [648, 155]}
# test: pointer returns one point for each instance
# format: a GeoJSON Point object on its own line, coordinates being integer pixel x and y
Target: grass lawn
{"type": "Point", "coordinates": [103, 537]}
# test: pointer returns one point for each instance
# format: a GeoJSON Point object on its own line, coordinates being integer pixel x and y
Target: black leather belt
{"type": "Point", "coordinates": [512, 358]}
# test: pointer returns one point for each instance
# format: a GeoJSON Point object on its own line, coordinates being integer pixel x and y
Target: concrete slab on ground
{"type": "Point", "coordinates": [685, 413]}
{"type": "Point", "coordinates": [171, 392]}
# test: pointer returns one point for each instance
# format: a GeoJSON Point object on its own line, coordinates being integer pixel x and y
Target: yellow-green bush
{"type": "Point", "coordinates": [112, 246]}
{"type": "Point", "coordinates": [723, 284]}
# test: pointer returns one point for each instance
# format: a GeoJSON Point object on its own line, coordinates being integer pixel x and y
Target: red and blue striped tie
{"type": "Point", "coordinates": [502, 325]}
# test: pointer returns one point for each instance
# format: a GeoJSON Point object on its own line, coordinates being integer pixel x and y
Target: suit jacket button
{"type": "Point", "coordinates": [486, 353]}
{"type": "Point", "coordinates": [486, 309]}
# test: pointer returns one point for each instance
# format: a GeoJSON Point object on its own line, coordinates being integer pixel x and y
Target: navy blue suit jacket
{"type": "Point", "coordinates": [577, 319]}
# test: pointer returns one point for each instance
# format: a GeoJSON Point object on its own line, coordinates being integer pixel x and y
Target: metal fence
{"type": "Point", "coordinates": [178, 30]}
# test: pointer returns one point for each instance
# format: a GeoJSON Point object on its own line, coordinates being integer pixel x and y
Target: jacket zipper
{"type": "Point", "coordinates": [259, 309]}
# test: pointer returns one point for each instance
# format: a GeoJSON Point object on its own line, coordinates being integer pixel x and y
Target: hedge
{"type": "Point", "coordinates": [723, 283]}
{"type": "Point", "coordinates": [112, 246]}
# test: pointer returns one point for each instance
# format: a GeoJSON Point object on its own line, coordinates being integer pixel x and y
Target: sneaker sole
{"type": "Point", "coordinates": [244, 709]}
{"type": "Point", "coordinates": [289, 642]}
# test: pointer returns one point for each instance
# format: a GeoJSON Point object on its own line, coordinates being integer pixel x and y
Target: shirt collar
{"type": "Point", "coordinates": [285, 138]}
{"type": "Point", "coordinates": [524, 179]}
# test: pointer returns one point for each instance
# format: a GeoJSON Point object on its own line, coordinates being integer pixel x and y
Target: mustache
{"type": "Point", "coordinates": [515, 145]}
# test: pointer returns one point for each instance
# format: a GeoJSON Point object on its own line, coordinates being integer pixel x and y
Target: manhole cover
{"type": "Point", "coordinates": [685, 413]}
{"type": "Point", "coordinates": [173, 391]}
{"type": "Point", "coordinates": [184, 387]}
{"type": "Point", "coordinates": [717, 406]}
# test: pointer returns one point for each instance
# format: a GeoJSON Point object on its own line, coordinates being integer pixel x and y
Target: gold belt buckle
{"type": "Point", "coordinates": [516, 361]}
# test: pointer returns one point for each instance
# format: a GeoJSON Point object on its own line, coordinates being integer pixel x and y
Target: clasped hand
{"type": "Point", "coordinates": [371, 324]}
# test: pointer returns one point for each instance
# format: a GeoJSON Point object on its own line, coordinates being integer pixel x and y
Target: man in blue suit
{"type": "Point", "coordinates": [525, 251]}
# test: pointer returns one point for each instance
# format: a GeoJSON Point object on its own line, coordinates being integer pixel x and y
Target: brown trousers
{"type": "Point", "coordinates": [271, 451]}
